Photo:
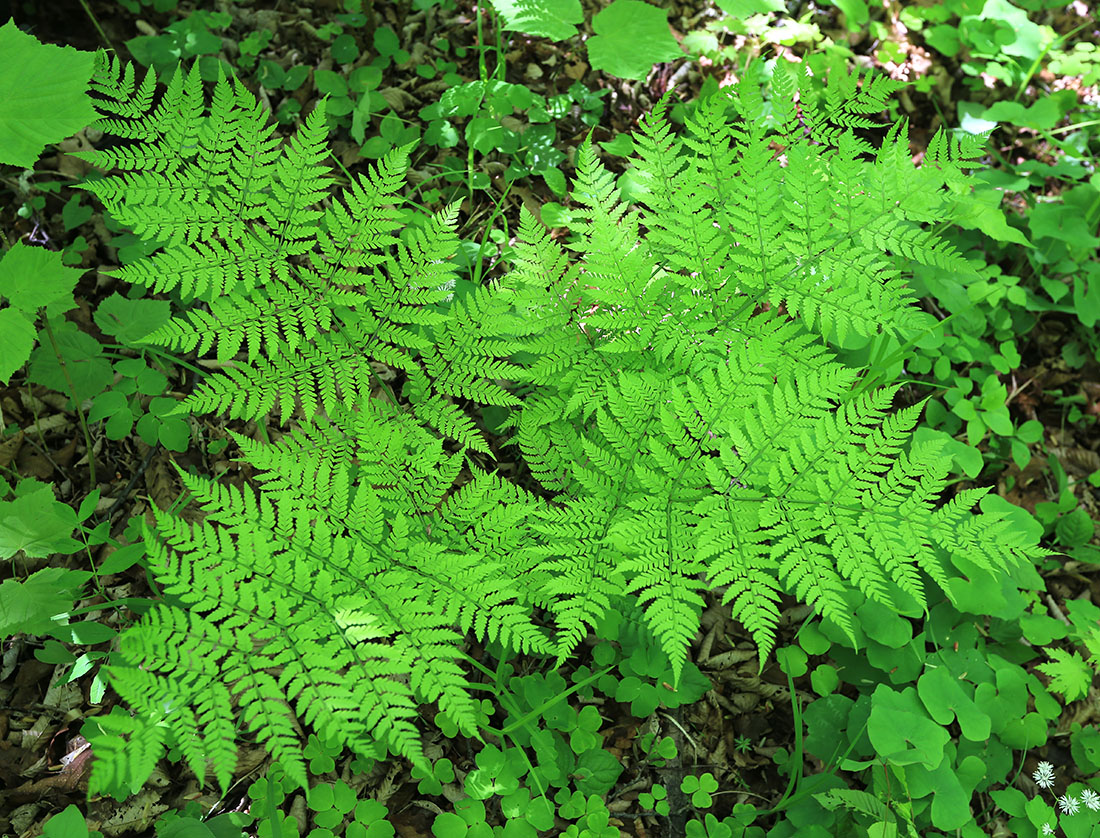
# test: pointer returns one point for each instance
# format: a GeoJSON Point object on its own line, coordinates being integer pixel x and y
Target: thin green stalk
{"type": "Point", "coordinates": [1039, 58]}
{"type": "Point", "coordinates": [1076, 126]}
{"type": "Point", "coordinates": [796, 758]}
{"type": "Point", "coordinates": [481, 74]}
{"type": "Point", "coordinates": [76, 401]}
{"type": "Point", "coordinates": [498, 71]}
{"type": "Point", "coordinates": [497, 689]}
{"type": "Point", "coordinates": [497, 210]}
{"type": "Point", "coordinates": [876, 366]}
{"type": "Point", "coordinates": [98, 28]}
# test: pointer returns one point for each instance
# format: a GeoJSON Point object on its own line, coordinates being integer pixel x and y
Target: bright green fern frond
{"type": "Point", "coordinates": [181, 676]}
{"type": "Point", "coordinates": [689, 408]}
{"type": "Point", "coordinates": [849, 95]}
{"type": "Point", "coordinates": [489, 516]}
{"type": "Point", "coordinates": [987, 540]}
{"type": "Point", "coordinates": [114, 85]}
{"type": "Point", "coordinates": [949, 152]}
{"type": "Point", "coordinates": [188, 181]}
{"type": "Point", "coordinates": [550, 446]}
{"type": "Point", "coordinates": [663, 571]}
{"type": "Point", "coordinates": [336, 546]}
{"type": "Point", "coordinates": [312, 295]}
{"type": "Point", "coordinates": [205, 270]}
{"type": "Point", "coordinates": [299, 183]}
{"type": "Point", "coordinates": [583, 573]}
{"type": "Point", "coordinates": [332, 665]}
{"type": "Point", "coordinates": [357, 228]}
{"type": "Point", "coordinates": [465, 360]}
{"type": "Point", "coordinates": [441, 413]}
{"type": "Point", "coordinates": [753, 214]}
{"type": "Point", "coordinates": [540, 286]}
{"type": "Point", "coordinates": [126, 749]}
{"type": "Point", "coordinates": [171, 128]}
{"type": "Point", "coordinates": [399, 464]}
{"type": "Point", "coordinates": [914, 244]}
{"type": "Point", "coordinates": [736, 551]}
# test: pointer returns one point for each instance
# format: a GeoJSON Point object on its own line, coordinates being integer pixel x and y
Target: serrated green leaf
{"type": "Point", "coordinates": [42, 95]}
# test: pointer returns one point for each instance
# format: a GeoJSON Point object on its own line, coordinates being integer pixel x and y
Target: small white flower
{"type": "Point", "coordinates": [1090, 799]}
{"type": "Point", "coordinates": [1048, 829]}
{"type": "Point", "coordinates": [1044, 775]}
{"type": "Point", "coordinates": [1069, 804]}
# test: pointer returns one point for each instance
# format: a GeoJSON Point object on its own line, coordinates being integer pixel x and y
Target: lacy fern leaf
{"type": "Point", "coordinates": [676, 381]}
{"type": "Point", "coordinates": [713, 444]}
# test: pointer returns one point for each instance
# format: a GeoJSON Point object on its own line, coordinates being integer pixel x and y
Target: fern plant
{"type": "Point", "coordinates": [673, 395]}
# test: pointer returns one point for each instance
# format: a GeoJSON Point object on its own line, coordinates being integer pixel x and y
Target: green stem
{"type": "Point", "coordinates": [1057, 42]}
{"type": "Point", "coordinates": [795, 762]}
{"type": "Point", "coordinates": [876, 368]}
{"type": "Point", "coordinates": [98, 28]}
{"type": "Point", "coordinates": [76, 401]}
{"type": "Point", "coordinates": [498, 691]}
{"type": "Point", "coordinates": [497, 209]}
{"type": "Point", "coordinates": [481, 74]}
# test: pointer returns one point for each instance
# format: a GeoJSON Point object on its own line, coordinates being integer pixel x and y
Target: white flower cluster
{"type": "Point", "coordinates": [1044, 779]}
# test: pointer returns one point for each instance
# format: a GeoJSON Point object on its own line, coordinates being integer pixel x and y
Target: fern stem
{"type": "Point", "coordinates": [498, 690]}
{"type": "Point", "coordinates": [489, 225]}
{"type": "Point", "coordinates": [76, 402]}
{"type": "Point", "coordinates": [796, 757]}
{"type": "Point", "coordinates": [98, 28]}
{"type": "Point", "coordinates": [561, 697]}
{"type": "Point", "coordinates": [179, 362]}
{"type": "Point", "coordinates": [876, 369]}
{"type": "Point", "coordinates": [498, 70]}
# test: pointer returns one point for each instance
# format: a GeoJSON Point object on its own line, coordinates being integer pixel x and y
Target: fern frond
{"type": "Point", "coordinates": [442, 414]}
{"type": "Point", "coordinates": [114, 82]}
{"type": "Point", "coordinates": [334, 665]}
{"type": "Point", "coordinates": [672, 378]}
{"type": "Point", "coordinates": [914, 244]}
{"type": "Point", "coordinates": [127, 749]}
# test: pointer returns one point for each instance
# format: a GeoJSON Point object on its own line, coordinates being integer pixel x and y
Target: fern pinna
{"type": "Point", "coordinates": [676, 392]}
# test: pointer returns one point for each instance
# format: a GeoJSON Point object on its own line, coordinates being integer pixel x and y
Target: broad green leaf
{"type": "Point", "coordinates": [954, 785]}
{"type": "Point", "coordinates": [33, 278]}
{"type": "Point", "coordinates": [38, 524]}
{"type": "Point", "coordinates": [29, 606]}
{"type": "Point", "coordinates": [1059, 221]}
{"type": "Point", "coordinates": [385, 41]}
{"type": "Point", "coordinates": [16, 341]}
{"type": "Point", "coordinates": [1069, 675]}
{"type": "Point", "coordinates": [69, 823]}
{"type": "Point", "coordinates": [1013, 33]}
{"type": "Point", "coordinates": [855, 13]}
{"type": "Point", "coordinates": [742, 9]}
{"type": "Point", "coordinates": [331, 83]}
{"type": "Point", "coordinates": [448, 825]}
{"type": "Point", "coordinates": [947, 698]}
{"type": "Point", "coordinates": [597, 771]}
{"type": "Point", "coordinates": [981, 210]}
{"type": "Point", "coordinates": [1074, 529]}
{"type": "Point", "coordinates": [943, 38]}
{"type": "Point", "coordinates": [901, 731]}
{"type": "Point", "coordinates": [631, 37]}
{"type": "Point", "coordinates": [89, 371]}
{"type": "Point", "coordinates": [42, 95]}
{"type": "Point", "coordinates": [131, 320]}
